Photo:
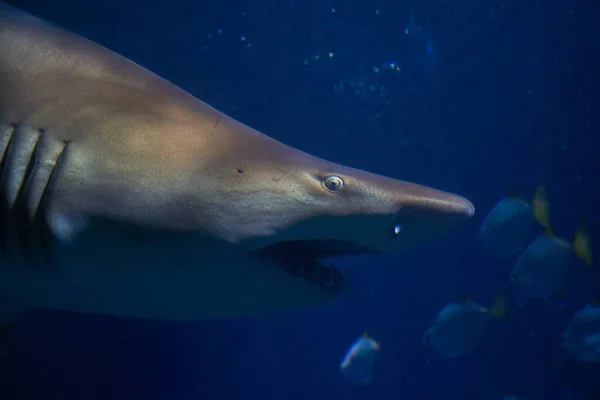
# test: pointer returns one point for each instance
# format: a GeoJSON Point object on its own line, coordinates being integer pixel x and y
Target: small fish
{"type": "Point", "coordinates": [541, 270]}
{"type": "Point", "coordinates": [357, 364]}
{"type": "Point", "coordinates": [514, 222]}
{"type": "Point", "coordinates": [581, 338]}
{"type": "Point", "coordinates": [456, 330]}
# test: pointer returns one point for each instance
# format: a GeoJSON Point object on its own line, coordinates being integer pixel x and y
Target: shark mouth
{"type": "Point", "coordinates": [303, 258]}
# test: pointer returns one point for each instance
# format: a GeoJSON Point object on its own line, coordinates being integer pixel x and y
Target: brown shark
{"type": "Point", "coordinates": [122, 194]}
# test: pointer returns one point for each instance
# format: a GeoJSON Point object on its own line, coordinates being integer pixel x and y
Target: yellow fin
{"type": "Point", "coordinates": [498, 308]}
{"type": "Point", "coordinates": [581, 245]}
{"type": "Point", "coordinates": [540, 206]}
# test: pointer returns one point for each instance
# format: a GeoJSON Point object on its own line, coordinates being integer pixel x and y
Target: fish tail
{"type": "Point", "coordinates": [581, 245]}
{"type": "Point", "coordinates": [540, 206]}
{"type": "Point", "coordinates": [499, 308]}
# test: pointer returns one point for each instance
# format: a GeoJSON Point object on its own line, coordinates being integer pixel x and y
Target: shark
{"type": "Point", "coordinates": [123, 195]}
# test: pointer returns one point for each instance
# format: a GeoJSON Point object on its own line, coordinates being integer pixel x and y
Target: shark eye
{"type": "Point", "coordinates": [333, 183]}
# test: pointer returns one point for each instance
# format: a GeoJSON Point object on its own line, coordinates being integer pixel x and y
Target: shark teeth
{"type": "Point", "coordinates": [328, 277]}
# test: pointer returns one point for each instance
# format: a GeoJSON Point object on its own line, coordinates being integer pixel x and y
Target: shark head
{"type": "Point", "coordinates": [224, 220]}
{"type": "Point", "coordinates": [296, 209]}
{"type": "Point", "coordinates": [290, 196]}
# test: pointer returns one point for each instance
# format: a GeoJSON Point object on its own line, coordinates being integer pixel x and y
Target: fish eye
{"type": "Point", "coordinates": [333, 183]}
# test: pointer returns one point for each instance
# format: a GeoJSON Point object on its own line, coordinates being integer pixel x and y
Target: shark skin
{"type": "Point", "coordinates": [121, 194]}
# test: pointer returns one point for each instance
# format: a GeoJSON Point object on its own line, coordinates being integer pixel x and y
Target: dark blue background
{"type": "Point", "coordinates": [506, 98]}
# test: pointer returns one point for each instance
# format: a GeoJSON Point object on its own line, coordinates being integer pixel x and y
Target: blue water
{"type": "Point", "coordinates": [491, 96]}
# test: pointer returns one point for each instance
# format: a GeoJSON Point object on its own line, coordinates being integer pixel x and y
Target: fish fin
{"type": "Point", "coordinates": [581, 245]}
{"type": "Point", "coordinates": [365, 334]}
{"type": "Point", "coordinates": [499, 307]}
{"type": "Point", "coordinates": [540, 206]}
{"type": "Point", "coordinates": [596, 302]}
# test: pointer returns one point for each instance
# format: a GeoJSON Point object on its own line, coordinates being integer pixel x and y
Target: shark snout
{"type": "Point", "coordinates": [466, 207]}
{"type": "Point", "coordinates": [424, 200]}
{"type": "Point", "coordinates": [424, 213]}
{"type": "Point", "coordinates": [457, 206]}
